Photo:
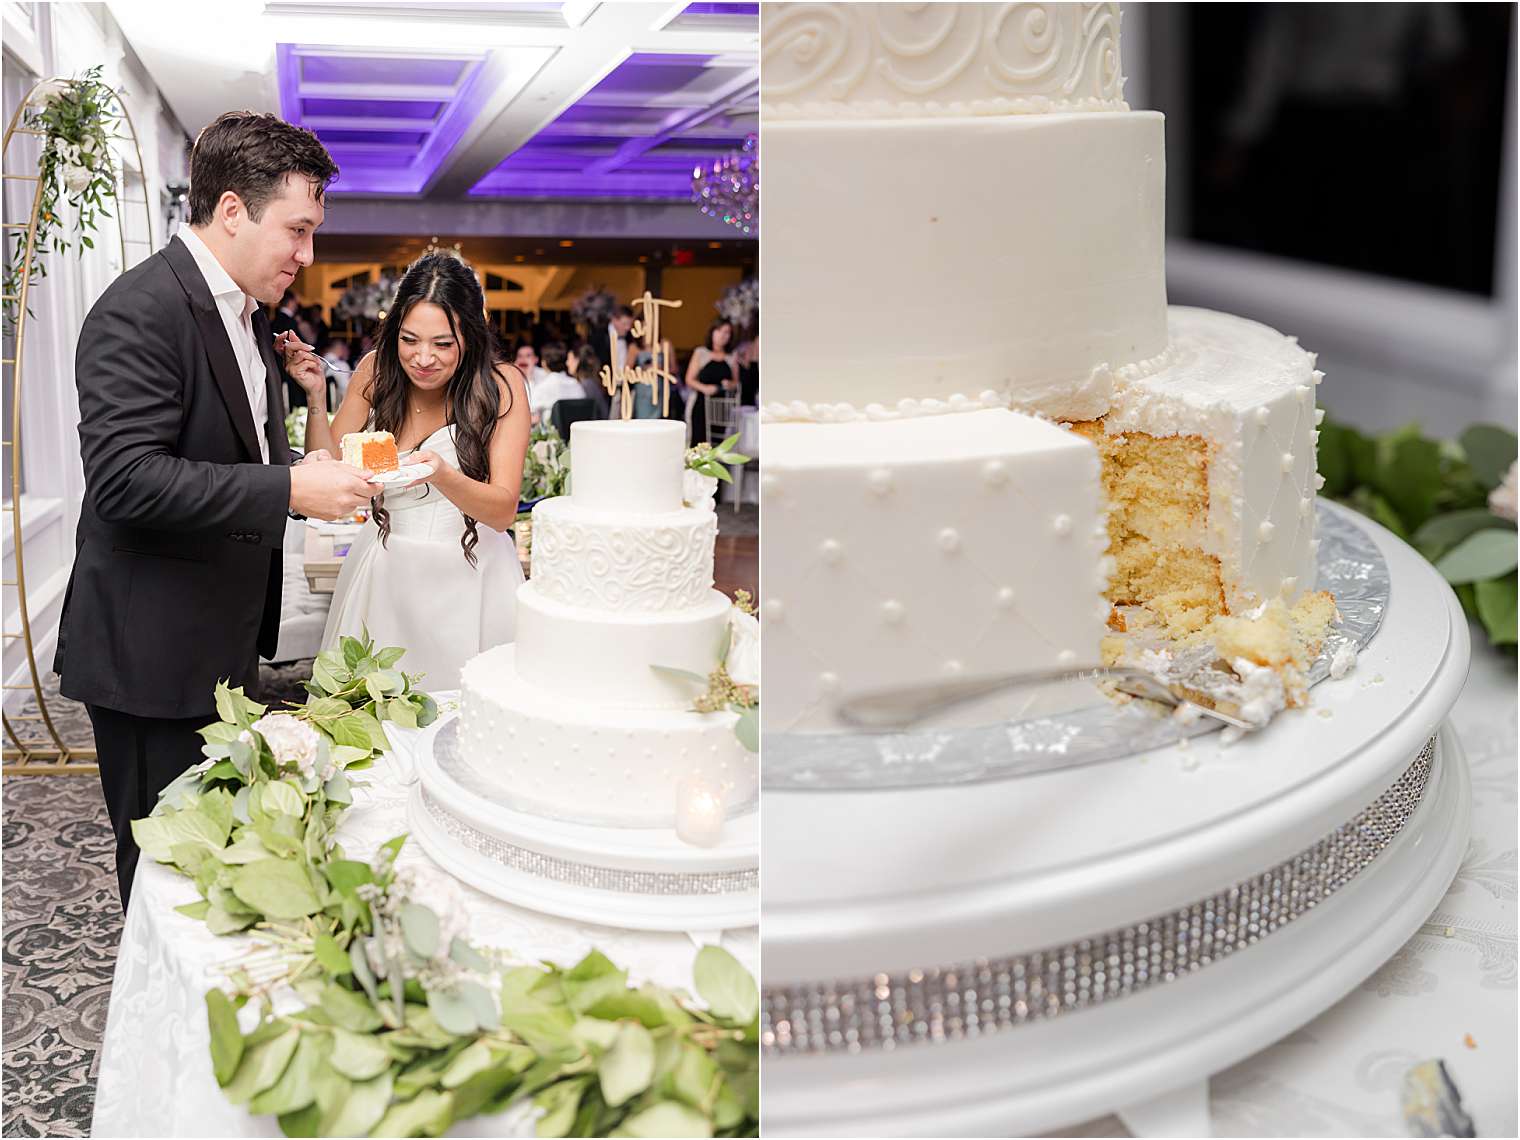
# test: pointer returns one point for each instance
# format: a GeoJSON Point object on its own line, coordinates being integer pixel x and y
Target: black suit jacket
{"type": "Point", "coordinates": [178, 562]}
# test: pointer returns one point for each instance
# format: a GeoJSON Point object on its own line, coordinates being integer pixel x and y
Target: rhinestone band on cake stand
{"type": "Point", "coordinates": [634, 878]}
{"type": "Point", "coordinates": [1021, 955]}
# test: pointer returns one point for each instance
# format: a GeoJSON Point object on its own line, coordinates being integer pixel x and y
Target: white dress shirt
{"type": "Point", "coordinates": [236, 309]}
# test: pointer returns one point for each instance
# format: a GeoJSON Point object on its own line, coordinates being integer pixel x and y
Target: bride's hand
{"type": "Point", "coordinates": [303, 364]}
{"type": "Point", "coordinates": [432, 459]}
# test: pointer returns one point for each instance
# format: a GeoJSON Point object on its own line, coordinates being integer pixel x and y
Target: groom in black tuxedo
{"type": "Point", "coordinates": [188, 476]}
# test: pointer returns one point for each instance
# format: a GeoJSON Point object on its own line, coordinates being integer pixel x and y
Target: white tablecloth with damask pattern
{"type": "Point", "coordinates": [155, 1065]}
{"type": "Point", "coordinates": [1449, 993]}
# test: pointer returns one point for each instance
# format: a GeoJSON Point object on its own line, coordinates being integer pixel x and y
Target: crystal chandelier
{"type": "Point", "coordinates": [729, 187]}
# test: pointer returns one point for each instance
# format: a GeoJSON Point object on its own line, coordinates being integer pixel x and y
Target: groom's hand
{"type": "Point", "coordinates": [328, 490]}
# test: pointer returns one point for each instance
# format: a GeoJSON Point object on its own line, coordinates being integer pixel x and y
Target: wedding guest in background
{"type": "Point", "coordinates": [314, 317]}
{"type": "Point", "coordinates": [619, 334]}
{"type": "Point", "coordinates": [526, 359]}
{"type": "Point", "coordinates": [748, 359]}
{"type": "Point", "coordinates": [335, 357]}
{"type": "Point", "coordinates": [710, 372]}
{"type": "Point", "coordinates": [284, 320]}
{"type": "Point", "coordinates": [553, 385]}
{"type": "Point", "coordinates": [585, 364]}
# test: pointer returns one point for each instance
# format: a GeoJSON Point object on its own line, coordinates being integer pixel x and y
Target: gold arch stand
{"type": "Point", "coordinates": [24, 754]}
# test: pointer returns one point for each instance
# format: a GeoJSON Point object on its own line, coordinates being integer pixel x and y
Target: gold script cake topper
{"type": "Point", "coordinates": [646, 327]}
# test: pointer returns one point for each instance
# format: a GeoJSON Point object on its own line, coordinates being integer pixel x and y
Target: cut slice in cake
{"type": "Point", "coordinates": [372, 451]}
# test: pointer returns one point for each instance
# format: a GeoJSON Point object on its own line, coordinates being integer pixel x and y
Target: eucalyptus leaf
{"type": "Point", "coordinates": [365, 976]}
{"type": "Point", "coordinates": [347, 875]}
{"type": "Point", "coordinates": [262, 1065]}
{"type": "Point", "coordinates": [296, 1087]}
{"type": "Point", "coordinates": [426, 1114]}
{"type": "Point", "coordinates": [468, 957]}
{"type": "Point", "coordinates": [333, 958]}
{"type": "Point", "coordinates": [388, 657]}
{"type": "Point", "coordinates": [559, 1102]}
{"type": "Point", "coordinates": [363, 1108]}
{"type": "Point", "coordinates": [196, 910]}
{"type": "Point", "coordinates": [338, 790]}
{"type": "Point", "coordinates": [1490, 452]}
{"type": "Point", "coordinates": [628, 1066]}
{"type": "Point", "coordinates": [725, 985]}
{"type": "Point", "coordinates": [452, 1011]}
{"type": "Point", "coordinates": [303, 1121]}
{"type": "Point", "coordinates": [475, 1058]}
{"type": "Point", "coordinates": [667, 1118]}
{"type": "Point", "coordinates": [1496, 601]}
{"type": "Point", "coordinates": [747, 729]}
{"type": "Point", "coordinates": [591, 979]}
{"type": "Point", "coordinates": [358, 1056]}
{"type": "Point", "coordinates": [240, 806]}
{"type": "Point", "coordinates": [226, 1037]}
{"type": "Point", "coordinates": [695, 1079]}
{"type": "Point", "coordinates": [349, 1009]}
{"type": "Point", "coordinates": [1480, 556]}
{"type": "Point", "coordinates": [278, 888]}
{"type": "Point", "coordinates": [687, 675]}
{"type": "Point", "coordinates": [1441, 533]}
{"type": "Point", "coordinates": [419, 927]}
{"type": "Point", "coordinates": [221, 921]}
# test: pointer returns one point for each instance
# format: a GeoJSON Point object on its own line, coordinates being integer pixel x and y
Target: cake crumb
{"type": "Point", "coordinates": [1343, 662]}
{"type": "Point", "coordinates": [1327, 713]}
{"type": "Point", "coordinates": [1448, 932]}
{"type": "Point", "coordinates": [1467, 1039]}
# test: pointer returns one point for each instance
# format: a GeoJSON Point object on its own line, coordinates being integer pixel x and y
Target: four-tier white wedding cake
{"type": "Point", "coordinates": [574, 719]}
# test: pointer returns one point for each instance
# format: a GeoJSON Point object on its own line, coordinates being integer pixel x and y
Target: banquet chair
{"type": "Point", "coordinates": [566, 412]}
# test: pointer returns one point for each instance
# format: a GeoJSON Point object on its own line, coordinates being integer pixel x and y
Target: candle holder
{"type": "Point", "coordinates": [699, 812]}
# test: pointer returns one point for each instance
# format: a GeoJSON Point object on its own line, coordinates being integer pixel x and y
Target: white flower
{"type": "Point", "coordinates": [293, 741]}
{"type": "Point", "coordinates": [697, 489]}
{"type": "Point", "coordinates": [47, 93]}
{"type": "Point", "coordinates": [1504, 500]}
{"type": "Point", "coordinates": [543, 451]}
{"type": "Point", "coordinates": [76, 178]}
{"type": "Point", "coordinates": [743, 662]}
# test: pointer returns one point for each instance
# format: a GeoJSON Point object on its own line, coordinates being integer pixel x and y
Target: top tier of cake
{"type": "Point", "coordinates": [633, 467]}
{"type": "Point", "coordinates": [908, 60]}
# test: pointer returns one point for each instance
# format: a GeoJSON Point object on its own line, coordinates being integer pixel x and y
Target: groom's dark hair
{"type": "Point", "coordinates": [250, 154]}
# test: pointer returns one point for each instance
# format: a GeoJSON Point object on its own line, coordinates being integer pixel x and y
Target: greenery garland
{"type": "Point", "coordinates": [405, 1026]}
{"type": "Point", "coordinates": [77, 118]}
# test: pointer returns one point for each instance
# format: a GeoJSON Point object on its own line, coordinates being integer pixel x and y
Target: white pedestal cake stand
{"type": "Point", "coordinates": [1019, 956]}
{"type": "Point", "coordinates": [635, 878]}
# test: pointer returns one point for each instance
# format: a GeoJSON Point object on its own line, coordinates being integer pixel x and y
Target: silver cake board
{"type": "Point", "coordinates": [629, 878]}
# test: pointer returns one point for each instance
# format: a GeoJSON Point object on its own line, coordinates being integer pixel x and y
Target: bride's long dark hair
{"type": "Point", "coordinates": [473, 398]}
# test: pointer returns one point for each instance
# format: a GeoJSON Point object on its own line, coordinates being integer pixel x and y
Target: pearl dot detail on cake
{"type": "Point", "coordinates": [1305, 507]}
{"type": "Point", "coordinates": [1319, 377]}
{"type": "Point", "coordinates": [828, 682]}
{"type": "Point", "coordinates": [1289, 584]}
{"type": "Point", "coordinates": [1263, 414]}
{"type": "Point", "coordinates": [880, 480]}
{"type": "Point", "coordinates": [774, 610]}
{"type": "Point", "coordinates": [952, 668]}
{"type": "Point", "coordinates": [1066, 657]}
{"type": "Point", "coordinates": [994, 473]}
{"type": "Point", "coordinates": [830, 550]}
{"type": "Point", "coordinates": [892, 611]}
{"type": "Point", "coordinates": [1061, 524]}
{"type": "Point", "coordinates": [949, 540]}
{"type": "Point", "coordinates": [1005, 597]}
{"type": "Point", "coordinates": [1305, 393]}
{"type": "Point", "coordinates": [1265, 532]}
{"type": "Point", "coordinates": [1287, 462]}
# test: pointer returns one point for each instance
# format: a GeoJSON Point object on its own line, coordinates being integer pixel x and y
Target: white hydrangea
{"type": "Point", "coordinates": [743, 662]}
{"type": "Point", "coordinates": [293, 742]}
{"type": "Point", "coordinates": [47, 92]}
{"type": "Point", "coordinates": [543, 451]}
{"type": "Point", "coordinates": [1504, 500]}
{"type": "Point", "coordinates": [697, 489]}
{"type": "Point", "coordinates": [428, 887]}
{"type": "Point", "coordinates": [76, 178]}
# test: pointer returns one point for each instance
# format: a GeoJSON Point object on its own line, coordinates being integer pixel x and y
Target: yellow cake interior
{"type": "Point", "coordinates": [1165, 585]}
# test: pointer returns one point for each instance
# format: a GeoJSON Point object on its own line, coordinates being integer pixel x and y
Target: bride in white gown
{"type": "Point", "coordinates": [436, 571]}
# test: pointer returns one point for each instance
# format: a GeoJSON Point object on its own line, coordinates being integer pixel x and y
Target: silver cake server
{"type": "Point", "coordinates": [892, 710]}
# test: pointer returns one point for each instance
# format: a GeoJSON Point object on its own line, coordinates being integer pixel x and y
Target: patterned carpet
{"type": "Point", "coordinates": [62, 922]}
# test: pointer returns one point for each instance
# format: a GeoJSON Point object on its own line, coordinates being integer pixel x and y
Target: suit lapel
{"type": "Point", "coordinates": [274, 386]}
{"type": "Point", "coordinates": [224, 365]}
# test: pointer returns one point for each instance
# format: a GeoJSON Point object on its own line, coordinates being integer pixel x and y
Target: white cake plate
{"type": "Point", "coordinates": [633, 878]}
{"type": "Point", "coordinates": [901, 889]}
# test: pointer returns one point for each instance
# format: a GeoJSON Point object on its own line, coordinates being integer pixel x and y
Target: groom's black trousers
{"type": "Point", "coordinates": [139, 757]}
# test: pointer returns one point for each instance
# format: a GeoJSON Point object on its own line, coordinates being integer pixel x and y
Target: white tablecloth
{"type": "Point", "coordinates": [155, 1064]}
{"type": "Point", "coordinates": [1448, 994]}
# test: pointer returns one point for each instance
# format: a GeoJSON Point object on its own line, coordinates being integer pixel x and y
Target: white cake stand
{"type": "Point", "coordinates": [634, 878]}
{"type": "Point", "coordinates": [891, 883]}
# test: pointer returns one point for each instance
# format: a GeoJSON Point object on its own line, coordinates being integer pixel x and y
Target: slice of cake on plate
{"type": "Point", "coordinates": [372, 451]}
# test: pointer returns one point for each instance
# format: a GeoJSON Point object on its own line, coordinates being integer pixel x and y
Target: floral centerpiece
{"type": "Point", "coordinates": [740, 305]}
{"type": "Point", "coordinates": [593, 307]}
{"type": "Point", "coordinates": [77, 119]}
{"type": "Point", "coordinates": [369, 301]}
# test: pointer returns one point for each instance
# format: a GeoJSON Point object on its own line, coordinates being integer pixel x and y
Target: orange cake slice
{"type": "Point", "coordinates": [373, 451]}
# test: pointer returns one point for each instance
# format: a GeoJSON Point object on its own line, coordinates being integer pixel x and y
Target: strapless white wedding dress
{"type": "Point", "coordinates": [418, 592]}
